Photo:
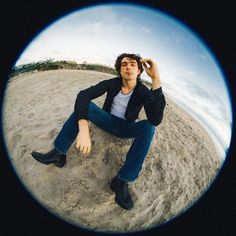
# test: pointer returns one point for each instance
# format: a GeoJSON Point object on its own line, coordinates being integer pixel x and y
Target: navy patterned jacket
{"type": "Point", "coordinates": [152, 100]}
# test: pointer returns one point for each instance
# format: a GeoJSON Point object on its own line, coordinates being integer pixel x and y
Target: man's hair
{"type": "Point", "coordinates": [135, 57]}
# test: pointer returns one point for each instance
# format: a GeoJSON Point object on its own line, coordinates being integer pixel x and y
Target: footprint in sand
{"type": "Point", "coordinates": [30, 115]}
{"type": "Point", "coordinates": [14, 140]}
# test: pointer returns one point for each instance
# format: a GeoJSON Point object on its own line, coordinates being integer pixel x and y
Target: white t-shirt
{"type": "Point", "coordinates": [119, 104]}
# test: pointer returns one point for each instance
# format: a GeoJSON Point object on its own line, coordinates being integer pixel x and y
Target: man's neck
{"type": "Point", "coordinates": [128, 85]}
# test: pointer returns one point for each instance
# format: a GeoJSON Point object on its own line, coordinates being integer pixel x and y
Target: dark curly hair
{"type": "Point", "coordinates": [135, 57]}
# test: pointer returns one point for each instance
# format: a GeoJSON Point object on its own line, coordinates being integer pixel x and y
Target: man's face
{"type": "Point", "coordinates": [129, 69]}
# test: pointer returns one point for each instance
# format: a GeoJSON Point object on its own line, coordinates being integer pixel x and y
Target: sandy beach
{"type": "Point", "coordinates": [179, 167]}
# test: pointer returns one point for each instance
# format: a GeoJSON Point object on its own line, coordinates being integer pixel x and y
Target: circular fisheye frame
{"type": "Point", "coordinates": [188, 146]}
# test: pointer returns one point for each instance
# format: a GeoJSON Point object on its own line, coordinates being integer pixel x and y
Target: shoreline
{"type": "Point", "coordinates": [220, 151]}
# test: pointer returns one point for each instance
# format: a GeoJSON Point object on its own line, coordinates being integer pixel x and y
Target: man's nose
{"type": "Point", "coordinates": [128, 66]}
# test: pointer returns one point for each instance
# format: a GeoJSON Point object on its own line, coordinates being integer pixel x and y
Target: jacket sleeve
{"type": "Point", "coordinates": [154, 105]}
{"type": "Point", "coordinates": [85, 96]}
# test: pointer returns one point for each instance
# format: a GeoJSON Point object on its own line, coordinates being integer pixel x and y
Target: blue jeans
{"type": "Point", "coordinates": [141, 131]}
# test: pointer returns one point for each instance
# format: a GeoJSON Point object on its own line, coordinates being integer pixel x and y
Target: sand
{"type": "Point", "coordinates": [180, 166]}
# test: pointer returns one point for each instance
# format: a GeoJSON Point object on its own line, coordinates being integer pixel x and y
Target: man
{"type": "Point", "coordinates": [126, 95]}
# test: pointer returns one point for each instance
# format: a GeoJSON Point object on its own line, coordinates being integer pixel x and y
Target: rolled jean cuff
{"type": "Point", "coordinates": [58, 150]}
{"type": "Point", "coordinates": [127, 180]}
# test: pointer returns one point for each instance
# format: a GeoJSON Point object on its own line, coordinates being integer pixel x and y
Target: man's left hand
{"type": "Point", "coordinates": [152, 71]}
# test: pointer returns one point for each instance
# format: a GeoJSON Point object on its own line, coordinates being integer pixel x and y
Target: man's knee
{"type": "Point", "coordinates": [92, 106]}
{"type": "Point", "coordinates": [92, 109]}
{"type": "Point", "coordinates": [148, 127]}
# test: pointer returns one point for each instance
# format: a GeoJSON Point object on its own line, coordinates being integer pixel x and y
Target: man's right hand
{"type": "Point", "coordinates": [83, 141]}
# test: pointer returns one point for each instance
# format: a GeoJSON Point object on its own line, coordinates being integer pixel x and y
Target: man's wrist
{"type": "Point", "coordinates": [83, 126]}
{"type": "Point", "coordinates": [84, 131]}
{"type": "Point", "coordinates": [83, 122]}
{"type": "Point", "coordinates": [156, 83]}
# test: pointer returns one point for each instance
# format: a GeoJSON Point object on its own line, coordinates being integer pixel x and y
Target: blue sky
{"type": "Point", "coordinates": [188, 69]}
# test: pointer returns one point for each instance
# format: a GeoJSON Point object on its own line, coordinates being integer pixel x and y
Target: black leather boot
{"type": "Point", "coordinates": [52, 156]}
{"type": "Point", "coordinates": [122, 198]}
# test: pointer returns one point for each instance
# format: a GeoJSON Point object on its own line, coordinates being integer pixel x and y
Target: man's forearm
{"type": "Point", "coordinates": [156, 83]}
{"type": "Point", "coordinates": [83, 125]}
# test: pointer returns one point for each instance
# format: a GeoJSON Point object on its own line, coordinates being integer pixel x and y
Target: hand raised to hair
{"type": "Point", "coordinates": [151, 68]}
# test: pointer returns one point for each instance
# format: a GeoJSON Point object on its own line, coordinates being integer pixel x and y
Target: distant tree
{"type": "Point", "coordinates": [50, 64]}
